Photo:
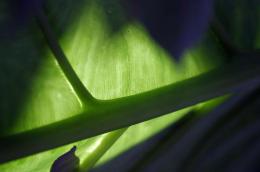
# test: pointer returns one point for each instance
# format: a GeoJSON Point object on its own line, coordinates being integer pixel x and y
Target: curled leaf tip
{"type": "Point", "coordinates": [68, 162]}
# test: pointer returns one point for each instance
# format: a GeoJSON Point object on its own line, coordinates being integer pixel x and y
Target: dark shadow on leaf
{"type": "Point", "coordinates": [241, 21]}
{"type": "Point", "coordinates": [176, 25]}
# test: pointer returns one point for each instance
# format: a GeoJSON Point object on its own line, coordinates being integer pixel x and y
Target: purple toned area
{"type": "Point", "coordinates": [67, 162]}
{"type": "Point", "coordinates": [23, 10]}
{"type": "Point", "coordinates": [175, 24]}
{"type": "Point", "coordinates": [19, 14]}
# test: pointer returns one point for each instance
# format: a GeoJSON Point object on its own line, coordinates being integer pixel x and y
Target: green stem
{"type": "Point", "coordinates": [105, 116]}
{"type": "Point", "coordinates": [87, 162]}
{"type": "Point", "coordinates": [84, 96]}
{"type": "Point", "coordinates": [79, 88]}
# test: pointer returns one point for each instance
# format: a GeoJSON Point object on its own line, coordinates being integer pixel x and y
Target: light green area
{"type": "Point", "coordinates": [111, 64]}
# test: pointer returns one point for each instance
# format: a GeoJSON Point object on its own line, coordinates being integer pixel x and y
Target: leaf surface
{"type": "Point", "coordinates": [111, 63]}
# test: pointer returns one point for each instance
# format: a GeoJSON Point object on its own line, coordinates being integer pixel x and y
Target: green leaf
{"type": "Point", "coordinates": [110, 63]}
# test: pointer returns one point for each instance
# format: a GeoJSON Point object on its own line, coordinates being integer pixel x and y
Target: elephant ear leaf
{"type": "Point", "coordinates": [175, 24]}
{"type": "Point", "coordinates": [68, 162]}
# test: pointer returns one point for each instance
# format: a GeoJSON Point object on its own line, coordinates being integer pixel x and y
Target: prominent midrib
{"type": "Point", "coordinates": [82, 93]}
{"type": "Point", "coordinates": [105, 116]}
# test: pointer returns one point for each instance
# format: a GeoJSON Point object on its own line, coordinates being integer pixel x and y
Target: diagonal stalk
{"type": "Point", "coordinates": [90, 160]}
{"type": "Point", "coordinates": [105, 116]}
{"type": "Point", "coordinates": [81, 91]}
